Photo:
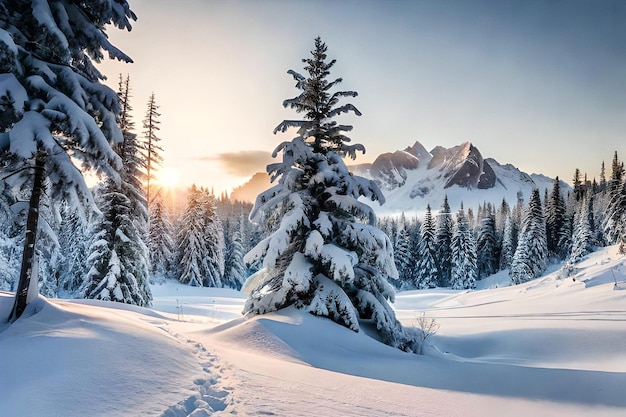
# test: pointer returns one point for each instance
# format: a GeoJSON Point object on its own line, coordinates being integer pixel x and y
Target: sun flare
{"type": "Point", "coordinates": [168, 177]}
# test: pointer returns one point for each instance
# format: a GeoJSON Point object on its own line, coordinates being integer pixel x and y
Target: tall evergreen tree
{"type": "Point", "coordinates": [556, 228]}
{"type": "Point", "coordinates": [9, 232]}
{"type": "Point", "coordinates": [73, 242]}
{"type": "Point", "coordinates": [63, 114]}
{"type": "Point", "coordinates": [617, 174]}
{"type": "Point", "coordinates": [403, 259]}
{"type": "Point", "coordinates": [464, 273]}
{"type": "Point", "coordinates": [200, 242]}
{"type": "Point", "coordinates": [121, 264]}
{"type": "Point", "coordinates": [582, 242]}
{"type": "Point", "coordinates": [426, 273]}
{"type": "Point", "coordinates": [602, 185]}
{"type": "Point", "coordinates": [118, 253]}
{"type": "Point", "coordinates": [322, 258]}
{"type": "Point", "coordinates": [531, 256]}
{"type": "Point", "coordinates": [509, 243]}
{"type": "Point", "coordinates": [486, 246]}
{"type": "Point", "coordinates": [160, 241]}
{"type": "Point", "coordinates": [615, 216]}
{"type": "Point", "coordinates": [48, 252]}
{"type": "Point", "coordinates": [150, 148]}
{"type": "Point", "coordinates": [578, 185]}
{"type": "Point", "coordinates": [443, 241]}
{"type": "Point", "coordinates": [235, 268]}
{"type": "Point", "coordinates": [190, 246]}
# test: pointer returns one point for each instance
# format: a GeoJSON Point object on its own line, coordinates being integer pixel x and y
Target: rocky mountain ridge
{"type": "Point", "coordinates": [414, 177]}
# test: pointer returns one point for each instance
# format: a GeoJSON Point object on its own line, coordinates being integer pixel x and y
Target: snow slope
{"type": "Point", "coordinates": [553, 346]}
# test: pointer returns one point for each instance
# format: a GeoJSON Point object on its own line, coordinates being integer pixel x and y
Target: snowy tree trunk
{"type": "Point", "coordinates": [27, 291]}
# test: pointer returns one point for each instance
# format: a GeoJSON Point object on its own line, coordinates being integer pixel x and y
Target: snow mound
{"type": "Point", "coordinates": [65, 358]}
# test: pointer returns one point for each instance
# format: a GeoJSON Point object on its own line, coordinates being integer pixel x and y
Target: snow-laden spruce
{"type": "Point", "coordinates": [326, 256]}
{"type": "Point", "coordinates": [615, 217]}
{"type": "Point", "coordinates": [234, 266]}
{"type": "Point", "coordinates": [200, 246]}
{"type": "Point", "coordinates": [582, 240]}
{"type": "Point", "coordinates": [531, 256]}
{"type": "Point", "coordinates": [443, 242]}
{"type": "Point", "coordinates": [118, 256]}
{"type": "Point", "coordinates": [487, 245]}
{"type": "Point", "coordinates": [160, 241]}
{"type": "Point", "coordinates": [426, 272]}
{"type": "Point", "coordinates": [119, 252]}
{"type": "Point", "coordinates": [58, 112]}
{"type": "Point", "coordinates": [463, 271]}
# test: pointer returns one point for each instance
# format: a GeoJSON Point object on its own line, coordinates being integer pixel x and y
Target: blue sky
{"type": "Point", "coordinates": [539, 84]}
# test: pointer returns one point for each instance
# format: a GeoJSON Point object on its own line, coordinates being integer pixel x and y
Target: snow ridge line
{"type": "Point", "coordinates": [211, 397]}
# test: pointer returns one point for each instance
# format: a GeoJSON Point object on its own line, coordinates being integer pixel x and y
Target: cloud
{"type": "Point", "coordinates": [243, 163]}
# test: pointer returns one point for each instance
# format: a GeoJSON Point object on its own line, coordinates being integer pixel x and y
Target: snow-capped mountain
{"type": "Point", "coordinates": [414, 177]}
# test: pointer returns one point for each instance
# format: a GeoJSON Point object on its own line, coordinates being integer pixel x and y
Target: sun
{"type": "Point", "coordinates": [168, 177]}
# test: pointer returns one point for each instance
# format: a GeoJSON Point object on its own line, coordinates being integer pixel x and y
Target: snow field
{"type": "Point", "coordinates": [552, 346]}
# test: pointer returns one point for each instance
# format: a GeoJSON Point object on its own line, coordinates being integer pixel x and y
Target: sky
{"type": "Point", "coordinates": [539, 84]}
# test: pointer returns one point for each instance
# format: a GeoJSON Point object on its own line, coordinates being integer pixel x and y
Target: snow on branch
{"type": "Point", "coordinates": [266, 200]}
{"type": "Point", "coordinates": [346, 108]}
{"type": "Point", "coordinates": [352, 205]}
{"type": "Point", "coordinates": [275, 245]}
{"type": "Point", "coordinates": [286, 124]}
{"type": "Point", "coordinates": [298, 274]}
{"type": "Point", "coordinates": [338, 94]}
{"type": "Point", "coordinates": [11, 87]}
{"type": "Point", "coordinates": [374, 246]}
{"type": "Point", "coordinates": [296, 76]}
{"type": "Point", "coordinates": [351, 150]}
{"type": "Point", "coordinates": [330, 294]}
{"type": "Point", "coordinates": [43, 15]}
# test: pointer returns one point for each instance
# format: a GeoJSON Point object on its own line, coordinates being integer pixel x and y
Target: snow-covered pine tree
{"type": "Point", "coordinates": [617, 174]}
{"type": "Point", "coordinates": [486, 245]}
{"type": "Point", "coordinates": [117, 254]}
{"type": "Point", "coordinates": [578, 185]}
{"type": "Point", "coordinates": [121, 252]}
{"type": "Point", "coordinates": [443, 240]}
{"type": "Point", "coordinates": [582, 241]}
{"type": "Point", "coordinates": [73, 243]}
{"type": "Point", "coordinates": [133, 163]}
{"type": "Point", "coordinates": [509, 243]}
{"type": "Point", "coordinates": [464, 273]}
{"type": "Point", "coordinates": [150, 148]}
{"type": "Point", "coordinates": [48, 252]}
{"type": "Point", "coordinates": [9, 239]}
{"type": "Point", "coordinates": [426, 273]}
{"type": "Point", "coordinates": [555, 222]}
{"type": "Point", "coordinates": [602, 185]}
{"type": "Point", "coordinates": [125, 119]}
{"type": "Point", "coordinates": [403, 258]}
{"type": "Point", "coordinates": [531, 256]}
{"type": "Point", "coordinates": [191, 262]}
{"type": "Point", "coordinates": [63, 112]}
{"type": "Point", "coordinates": [235, 267]}
{"type": "Point", "coordinates": [200, 241]}
{"type": "Point", "coordinates": [322, 258]}
{"type": "Point", "coordinates": [160, 241]}
{"type": "Point", "coordinates": [214, 241]}
{"type": "Point", "coordinates": [615, 216]}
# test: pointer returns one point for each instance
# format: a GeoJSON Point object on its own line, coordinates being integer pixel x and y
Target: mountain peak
{"type": "Point", "coordinates": [419, 151]}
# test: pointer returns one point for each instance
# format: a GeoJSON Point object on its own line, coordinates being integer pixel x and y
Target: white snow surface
{"type": "Point", "coordinates": [553, 346]}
